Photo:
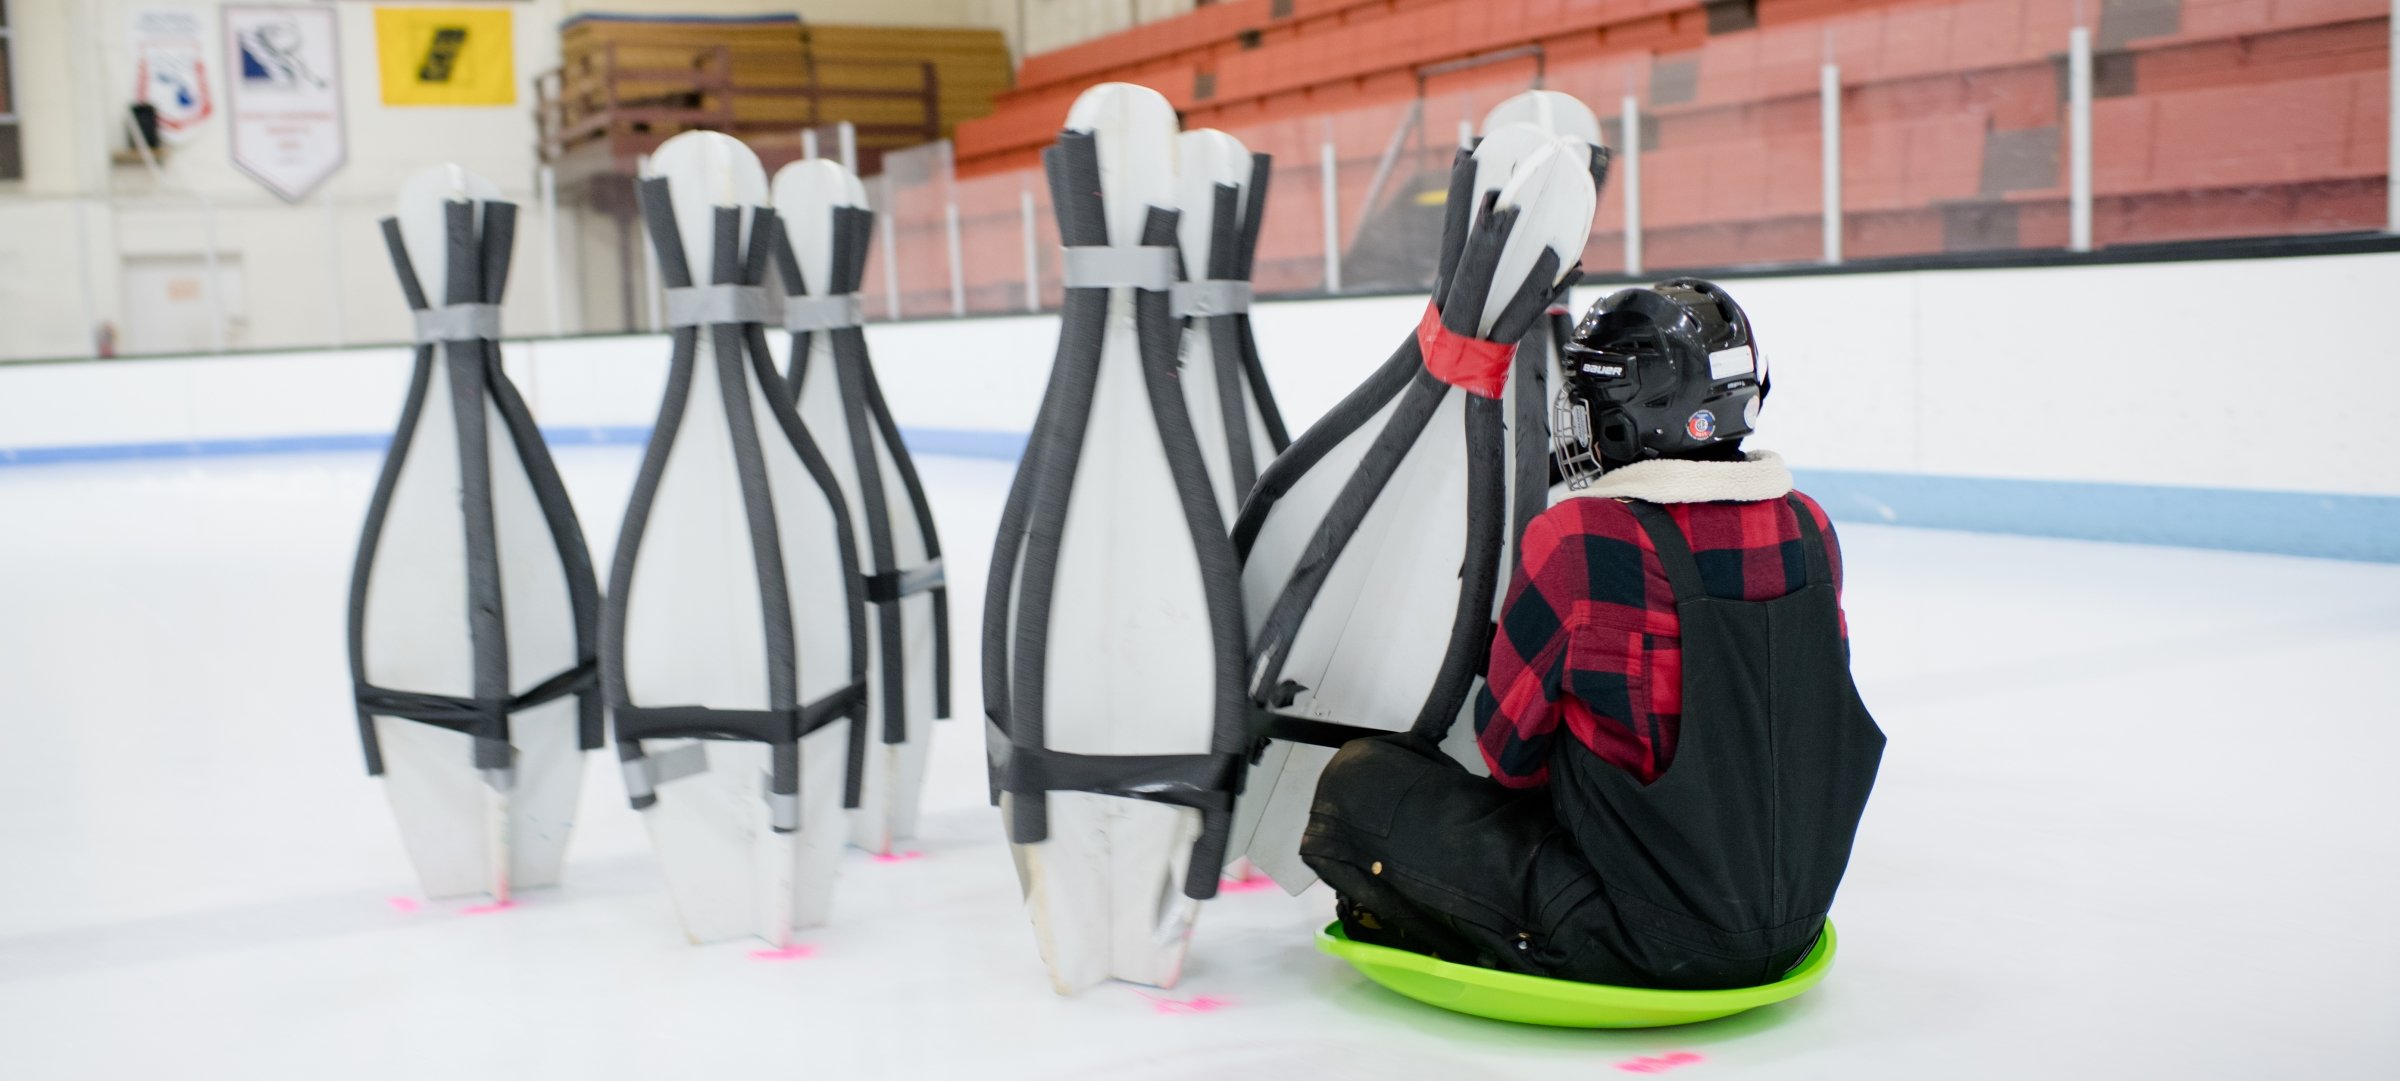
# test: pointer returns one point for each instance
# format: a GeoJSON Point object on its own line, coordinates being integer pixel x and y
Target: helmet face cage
{"type": "Point", "coordinates": [1571, 440]}
{"type": "Point", "coordinates": [1661, 371]}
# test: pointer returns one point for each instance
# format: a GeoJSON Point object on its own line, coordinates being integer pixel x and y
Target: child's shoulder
{"type": "Point", "coordinates": [1815, 510]}
{"type": "Point", "coordinates": [1591, 515]}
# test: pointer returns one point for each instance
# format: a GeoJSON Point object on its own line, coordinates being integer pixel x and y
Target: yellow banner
{"type": "Point", "coordinates": [446, 56]}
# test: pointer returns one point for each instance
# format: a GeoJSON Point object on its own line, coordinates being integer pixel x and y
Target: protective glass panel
{"type": "Point", "coordinates": [996, 235]}
{"type": "Point", "coordinates": [918, 188]}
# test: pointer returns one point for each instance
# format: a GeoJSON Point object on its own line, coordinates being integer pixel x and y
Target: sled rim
{"type": "Point", "coordinates": [1536, 1000]}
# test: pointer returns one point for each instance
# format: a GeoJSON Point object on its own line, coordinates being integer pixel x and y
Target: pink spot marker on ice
{"type": "Point", "coordinates": [487, 908]}
{"type": "Point", "coordinates": [899, 857]}
{"type": "Point", "coordinates": [1199, 1004]}
{"type": "Point", "coordinates": [1661, 1064]}
{"type": "Point", "coordinates": [1252, 884]}
{"type": "Point", "coordinates": [402, 905]}
{"type": "Point", "coordinates": [784, 953]}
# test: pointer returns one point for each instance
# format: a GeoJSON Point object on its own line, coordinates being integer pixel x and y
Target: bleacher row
{"type": "Point", "coordinates": [2212, 118]}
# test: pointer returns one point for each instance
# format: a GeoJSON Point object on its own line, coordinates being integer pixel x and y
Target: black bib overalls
{"type": "Point", "coordinates": [1718, 874]}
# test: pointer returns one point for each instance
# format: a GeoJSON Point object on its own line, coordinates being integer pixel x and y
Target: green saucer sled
{"type": "Point", "coordinates": [1533, 1000]}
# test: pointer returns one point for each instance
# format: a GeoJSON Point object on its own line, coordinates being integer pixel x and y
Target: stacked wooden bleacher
{"type": "Point", "coordinates": [628, 82]}
{"type": "Point", "coordinates": [2213, 118]}
{"type": "Point", "coordinates": [971, 67]}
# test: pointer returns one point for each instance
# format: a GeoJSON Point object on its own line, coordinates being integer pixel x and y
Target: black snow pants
{"type": "Point", "coordinates": [1718, 874]}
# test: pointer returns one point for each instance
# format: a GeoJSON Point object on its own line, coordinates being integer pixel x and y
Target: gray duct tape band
{"type": "Point", "coordinates": [783, 806]}
{"type": "Point", "coordinates": [457, 323]}
{"type": "Point", "coordinates": [805, 314]}
{"type": "Point", "coordinates": [1216, 296]}
{"type": "Point", "coordinates": [921, 577]}
{"type": "Point", "coordinates": [996, 747]}
{"type": "Point", "coordinates": [643, 775]}
{"type": "Point", "coordinates": [718, 305]}
{"type": "Point", "coordinates": [1128, 266]}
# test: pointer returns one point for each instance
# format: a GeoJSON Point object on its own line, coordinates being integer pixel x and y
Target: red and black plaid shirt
{"type": "Point", "coordinates": [1589, 635]}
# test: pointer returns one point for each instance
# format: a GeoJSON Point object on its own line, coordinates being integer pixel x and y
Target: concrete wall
{"type": "Point", "coordinates": [2123, 402]}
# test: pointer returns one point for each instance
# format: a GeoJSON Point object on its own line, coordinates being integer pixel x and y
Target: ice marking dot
{"type": "Point", "coordinates": [402, 905]}
{"type": "Point", "coordinates": [1659, 1064]}
{"type": "Point", "coordinates": [487, 909]}
{"type": "Point", "coordinates": [1197, 1004]}
{"type": "Point", "coordinates": [784, 953]}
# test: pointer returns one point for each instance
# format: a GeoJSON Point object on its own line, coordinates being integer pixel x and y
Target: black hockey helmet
{"type": "Point", "coordinates": [1660, 372]}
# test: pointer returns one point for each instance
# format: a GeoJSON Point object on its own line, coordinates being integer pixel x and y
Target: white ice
{"type": "Point", "coordinates": [2138, 819]}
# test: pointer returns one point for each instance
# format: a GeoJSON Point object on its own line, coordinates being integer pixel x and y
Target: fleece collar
{"type": "Point", "coordinates": [1759, 475]}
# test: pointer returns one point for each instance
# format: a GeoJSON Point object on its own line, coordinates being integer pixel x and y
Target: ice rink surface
{"type": "Point", "coordinates": [2139, 818]}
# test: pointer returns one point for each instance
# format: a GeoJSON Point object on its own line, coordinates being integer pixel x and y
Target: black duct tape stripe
{"type": "Point", "coordinates": [658, 217]}
{"type": "Point", "coordinates": [457, 323]}
{"type": "Point", "coordinates": [774, 726]}
{"type": "Point", "coordinates": [467, 362]}
{"type": "Point", "coordinates": [734, 343]}
{"type": "Point", "coordinates": [1529, 423]}
{"type": "Point", "coordinates": [1062, 171]}
{"type": "Point", "coordinates": [1469, 260]}
{"type": "Point", "coordinates": [1148, 267]}
{"type": "Point", "coordinates": [722, 304]}
{"type": "Point", "coordinates": [575, 557]}
{"type": "Point", "coordinates": [1280, 630]}
{"type": "Point", "coordinates": [386, 481]}
{"type": "Point", "coordinates": [465, 714]}
{"type": "Point", "coordinates": [1262, 173]}
{"type": "Point", "coordinates": [767, 241]}
{"type": "Point", "coordinates": [922, 507]}
{"type": "Point", "coordinates": [1161, 337]}
{"type": "Point", "coordinates": [487, 621]}
{"type": "Point", "coordinates": [852, 371]}
{"type": "Point", "coordinates": [1203, 782]}
{"type": "Point", "coordinates": [795, 287]}
{"type": "Point", "coordinates": [1471, 622]}
{"type": "Point", "coordinates": [890, 586]}
{"type": "Point", "coordinates": [1276, 726]}
{"type": "Point", "coordinates": [1339, 423]}
{"type": "Point", "coordinates": [1227, 358]}
{"type": "Point", "coordinates": [1026, 555]}
{"type": "Point", "coordinates": [807, 314]}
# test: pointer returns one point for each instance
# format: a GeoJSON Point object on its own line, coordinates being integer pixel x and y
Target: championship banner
{"type": "Point", "coordinates": [169, 75]}
{"type": "Point", "coordinates": [446, 56]}
{"type": "Point", "coordinates": [284, 95]}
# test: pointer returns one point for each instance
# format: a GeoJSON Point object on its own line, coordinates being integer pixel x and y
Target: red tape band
{"type": "Point", "coordinates": [1470, 364]}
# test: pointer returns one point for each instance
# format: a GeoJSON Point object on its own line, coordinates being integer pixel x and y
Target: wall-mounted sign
{"type": "Point", "coordinates": [283, 96]}
{"type": "Point", "coordinates": [446, 56]}
{"type": "Point", "coordinates": [169, 75]}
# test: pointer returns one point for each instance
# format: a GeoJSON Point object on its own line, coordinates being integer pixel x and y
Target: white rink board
{"type": "Point", "coordinates": [2126, 374]}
